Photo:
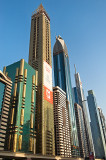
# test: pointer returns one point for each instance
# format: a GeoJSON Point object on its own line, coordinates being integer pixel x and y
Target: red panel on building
{"type": "Point", "coordinates": [48, 95]}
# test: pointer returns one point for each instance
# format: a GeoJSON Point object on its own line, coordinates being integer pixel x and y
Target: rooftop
{"type": "Point", "coordinates": [40, 9]}
{"type": "Point", "coordinates": [60, 46]}
{"type": "Point", "coordinates": [90, 92]}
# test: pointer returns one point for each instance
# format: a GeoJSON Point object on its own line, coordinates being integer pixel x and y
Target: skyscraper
{"type": "Point", "coordinates": [5, 97]}
{"type": "Point", "coordinates": [41, 60]}
{"type": "Point", "coordinates": [81, 102]}
{"type": "Point", "coordinates": [81, 131]}
{"type": "Point", "coordinates": [75, 97]}
{"type": "Point", "coordinates": [21, 132]}
{"type": "Point", "coordinates": [103, 122]}
{"type": "Point", "coordinates": [61, 123]}
{"type": "Point", "coordinates": [96, 127]}
{"type": "Point", "coordinates": [63, 80]}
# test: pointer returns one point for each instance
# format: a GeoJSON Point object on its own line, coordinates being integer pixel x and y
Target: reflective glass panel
{"type": "Point", "coordinates": [2, 88]}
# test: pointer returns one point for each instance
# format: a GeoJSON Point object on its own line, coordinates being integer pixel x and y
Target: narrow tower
{"type": "Point", "coordinates": [41, 60]}
{"type": "Point", "coordinates": [81, 131]}
{"type": "Point", "coordinates": [103, 122]}
{"type": "Point", "coordinates": [96, 127]}
{"type": "Point", "coordinates": [82, 103]}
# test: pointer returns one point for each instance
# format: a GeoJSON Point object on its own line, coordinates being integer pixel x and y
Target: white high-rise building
{"type": "Point", "coordinates": [61, 123]}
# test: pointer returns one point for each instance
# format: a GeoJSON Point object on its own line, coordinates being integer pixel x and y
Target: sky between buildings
{"type": "Point", "coordinates": [81, 23]}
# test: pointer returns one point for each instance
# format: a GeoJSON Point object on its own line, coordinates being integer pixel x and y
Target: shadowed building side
{"type": "Point", "coordinates": [96, 127]}
{"type": "Point", "coordinates": [81, 131]}
{"type": "Point", "coordinates": [103, 122]}
{"type": "Point", "coordinates": [81, 101]}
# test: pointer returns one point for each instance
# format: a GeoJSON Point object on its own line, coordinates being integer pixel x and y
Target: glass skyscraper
{"type": "Point", "coordinates": [81, 128]}
{"type": "Point", "coordinates": [96, 127]}
{"type": "Point", "coordinates": [81, 101]}
{"type": "Point", "coordinates": [21, 133]}
{"type": "Point", "coordinates": [103, 122]}
{"type": "Point", "coordinates": [75, 97]}
{"type": "Point", "coordinates": [81, 131]}
{"type": "Point", "coordinates": [63, 80]}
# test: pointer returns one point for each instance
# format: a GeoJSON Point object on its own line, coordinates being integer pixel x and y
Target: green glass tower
{"type": "Point", "coordinates": [21, 133]}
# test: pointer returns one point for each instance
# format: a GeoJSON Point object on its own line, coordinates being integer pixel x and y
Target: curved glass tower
{"type": "Point", "coordinates": [63, 80]}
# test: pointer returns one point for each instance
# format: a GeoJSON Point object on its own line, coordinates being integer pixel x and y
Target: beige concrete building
{"type": "Point", "coordinates": [61, 123]}
{"type": "Point", "coordinates": [41, 60]}
{"type": "Point", "coordinates": [5, 96]}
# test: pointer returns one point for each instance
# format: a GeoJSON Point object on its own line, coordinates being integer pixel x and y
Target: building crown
{"type": "Point", "coordinates": [60, 46]}
{"type": "Point", "coordinates": [90, 92]}
{"type": "Point", "coordinates": [40, 9]}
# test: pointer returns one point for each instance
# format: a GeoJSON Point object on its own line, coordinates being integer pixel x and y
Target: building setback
{"type": "Point", "coordinates": [97, 132]}
{"type": "Point", "coordinates": [61, 123]}
{"type": "Point", "coordinates": [5, 97]}
{"type": "Point", "coordinates": [40, 59]}
{"type": "Point", "coordinates": [21, 133]}
{"type": "Point", "coordinates": [81, 131]}
{"type": "Point", "coordinates": [63, 80]}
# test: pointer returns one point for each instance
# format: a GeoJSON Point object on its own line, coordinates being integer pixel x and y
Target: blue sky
{"type": "Point", "coordinates": [81, 23]}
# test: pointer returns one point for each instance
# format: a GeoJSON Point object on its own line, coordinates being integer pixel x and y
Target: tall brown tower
{"type": "Point", "coordinates": [41, 60]}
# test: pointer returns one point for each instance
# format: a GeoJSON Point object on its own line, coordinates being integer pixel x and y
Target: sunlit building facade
{"type": "Point", "coordinates": [63, 80]}
{"type": "Point", "coordinates": [5, 98]}
{"type": "Point", "coordinates": [21, 133]}
{"type": "Point", "coordinates": [40, 59]}
{"type": "Point", "coordinates": [61, 123]}
{"type": "Point", "coordinates": [96, 127]}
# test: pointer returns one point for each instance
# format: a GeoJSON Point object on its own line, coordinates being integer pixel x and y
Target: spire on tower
{"type": "Point", "coordinates": [75, 69]}
{"type": "Point", "coordinates": [40, 9]}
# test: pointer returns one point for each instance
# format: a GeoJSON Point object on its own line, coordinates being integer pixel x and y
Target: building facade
{"type": "Point", "coordinates": [96, 127]}
{"type": "Point", "coordinates": [21, 133]}
{"type": "Point", "coordinates": [81, 131]}
{"type": "Point", "coordinates": [81, 101]}
{"type": "Point", "coordinates": [5, 98]}
{"type": "Point", "coordinates": [63, 80]}
{"type": "Point", "coordinates": [61, 123]}
{"type": "Point", "coordinates": [41, 60]}
{"type": "Point", "coordinates": [75, 97]}
{"type": "Point", "coordinates": [103, 122]}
